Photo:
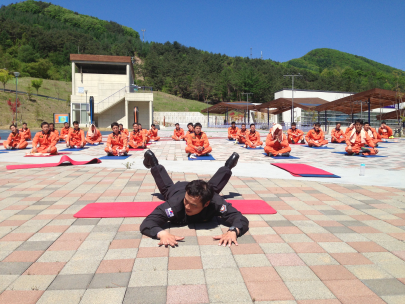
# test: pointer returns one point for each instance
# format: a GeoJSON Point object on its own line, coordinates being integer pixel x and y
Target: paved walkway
{"type": "Point", "coordinates": [329, 242]}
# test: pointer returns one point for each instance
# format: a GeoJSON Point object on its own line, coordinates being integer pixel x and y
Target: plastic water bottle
{"type": "Point", "coordinates": [362, 169]}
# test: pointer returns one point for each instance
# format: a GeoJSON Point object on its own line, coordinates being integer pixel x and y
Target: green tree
{"type": "Point", "coordinates": [4, 78]}
{"type": "Point", "coordinates": [29, 92]}
{"type": "Point", "coordinates": [37, 83]}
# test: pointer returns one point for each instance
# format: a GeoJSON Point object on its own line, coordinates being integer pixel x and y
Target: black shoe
{"type": "Point", "coordinates": [232, 161]}
{"type": "Point", "coordinates": [303, 141]}
{"type": "Point", "coordinates": [376, 145]}
{"type": "Point", "coordinates": [364, 150]}
{"type": "Point", "coordinates": [293, 141]}
{"type": "Point", "coordinates": [150, 159]}
{"type": "Point", "coordinates": [286, 154]}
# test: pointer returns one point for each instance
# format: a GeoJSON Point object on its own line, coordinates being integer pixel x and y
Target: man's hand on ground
{"type": "Point", "coordinates": [168, 239]}
{"type": "Point", "coordinates": [49, 150]}
{"type": "Point", "coordinates": [376, 151]}
{"type": "Point", "coordinates": [226, 239]}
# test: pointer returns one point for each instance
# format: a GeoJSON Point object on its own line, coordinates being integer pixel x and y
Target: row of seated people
{"type": "Point", "coordinates": [384, 132]}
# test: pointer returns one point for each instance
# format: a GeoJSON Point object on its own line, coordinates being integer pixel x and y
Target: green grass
{"type": "Point", "coordinates": [163, 102]}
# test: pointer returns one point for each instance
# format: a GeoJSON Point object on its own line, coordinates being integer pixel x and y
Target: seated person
{"type": "Point", "coordinates": [349, 130]}
{"type": "Point", "coordinates": [253, 138]}
{"type": "Point", "coordinates": [137, 140]}
{"type": "Point", "coordinates": [65, 131]}
{"type": "Point", "coordinates": [15, 140]}
{"type": "Point", "coordinates": [372, 133]}
{"type": "Point", "coordinates": [117, 143]}
{"type": "Point", "coordinates": [153, 133]}
{"type": "Point", "coordinates": [178, 133]}
{"type": "Point", "coordinates": [315, 137]}
{"type": "Point", "coordinates": [145, 132]}
{"type": "Point", "coordinates": [337, 135]}
{"type": "Point", "coordinates": [25, 132]}
{"type": "Point", "coordinates": [242, 135]}
{"type": "Point", "coordinates": [190, 127]}
{"type": "Point", "coordinates": [277, 143]}
{"type": "Point", "coordinates": [357, 139]}
{"type": "Point", "coordinates": [295, 135]}
{"type": "Point", "coordinates": [93, 136]}
{"type": "Point", "coordinates": [233, 131]}
{"type": "Point", "coordinates": [192, 202]}
{"type": "Point", "coordinates": [122, 130]}
{"type": "Point", "coordinates": [44, 141]}
{"type": "Point", "coordinates": [197, 142]}
{"type": "Point", "coordinates": [384, 131]}
{"type": "Point", "coordinates": [53, 130]}
{"type": "Point", "coordinates": [75, 138]}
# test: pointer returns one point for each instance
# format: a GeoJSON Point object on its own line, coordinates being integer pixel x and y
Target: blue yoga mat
{"type": "Point", "coordinates": [319, 148]}
{"type": "Point", "coordinates": [361, 155]}
{"type": "Point", "coordinates": [74, 149]}
{"type": "Point", "coordinates": [208, 157]}
{"type": "Point", "coordinates": [259, 148]}
{"type": "Point", "coordinates": [317, 175]}
{"type": "Point", "coordinates": [115, 157]}
{"type": "Point", "coordinates": [281, 157]}
{"type": "Point", "coordinates": [19, 149]}
{"type": "Point", "coordinates": [3, 152]}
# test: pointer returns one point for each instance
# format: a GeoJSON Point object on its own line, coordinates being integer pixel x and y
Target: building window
{"type": "Point", "coordinates": [79, 112]}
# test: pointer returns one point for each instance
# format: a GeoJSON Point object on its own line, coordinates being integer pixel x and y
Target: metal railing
{"type": "Point", "coordinates": [120, 94]}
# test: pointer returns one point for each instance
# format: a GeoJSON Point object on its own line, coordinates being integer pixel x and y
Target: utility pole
{"type": "Point", "coordinates": [143, 35]}
{"type": "Point", "coordinates": [247, 104]}
{"type": "Point", "coordinates": [261, 56]}
{"type": "Point", "coordinates": [292, 100]}
{"type": "Point", "coordinates": [250, 53]}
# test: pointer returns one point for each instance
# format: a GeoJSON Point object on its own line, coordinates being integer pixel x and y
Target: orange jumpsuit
{"type": "Point", "coordinates": [136, 139]}
{"type": "Point", "coordinates": [358, 144]}
{"type": "Point", "coordinates": [55, 132]}
{"type": "Point", "coordinates": [115, 142]}
{"type": "Point", "coordinates": [125, 131]}
{"type": "Point", "coordinates": [277, 147]}
{"type": "Point", "coordinates": [146, 133]}
{"type": "Point", "coordinates": [242, 135]}
{"type": "Point", "coordinates": [200, 140]}
{"type": "Point", "coordinates": [45, 141]}
{"type": "Point", "coordinates": [339, 135]}
{"type": "Point", "coordinates": [253, 139]}
{"type": "Point", "coordinates": [95, 138]}
{"type": "Point", "coordinates": [296, 135]}
{"type": "Point", "coordinates": [64, 133]}
{"type": "Point", "coordinates": [75, 138]}
{"type": "Point", "coordinates": [233, 133]}
{"type": "Point", "coordinates": [26, 133]}
{"type": "Point", "coordinates": [316, 139]}
{"type": "Point", "coordinates": [385, 133]}
{"type": "Point", "coordinates": [15, 139]}
{"type": "Point", "coordinates": [374, 136]}
{"type": "Point", "coordinates": [178, 134]}
{"type": "Point", "coordinates": [153, 133]}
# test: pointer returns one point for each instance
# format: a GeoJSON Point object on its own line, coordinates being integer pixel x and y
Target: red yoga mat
{"type": "Point", "coordinates": [59, 153]}
{"type": "Point", "coordinates": [298, 169]}
{"type": "Point", "coordinates": [140, 209]}
{"type": "Point", "coordinates": [63, 159]}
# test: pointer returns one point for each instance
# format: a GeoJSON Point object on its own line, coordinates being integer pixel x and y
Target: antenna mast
{"type": "Point", "coordinates": [143, 35]}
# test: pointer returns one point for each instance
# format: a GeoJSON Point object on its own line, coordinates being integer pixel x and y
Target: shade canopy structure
{"type": "Point", "coordinates": [224, 107]}
{"type": "Point", "coordinates": [284, 104]}
{"type": "Point", "coordinates": [356, 103]}
{"type": "Point", "coordinates": [391, 115]}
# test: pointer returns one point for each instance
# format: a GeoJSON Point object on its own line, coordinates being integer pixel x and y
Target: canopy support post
{"type": "Point", "coordinates": [248, 116]}
{"type": "Point", "coordinates": [326, 121]}
{"type": "Point", "coordinates": [208, 120]}
{"type": "Point", "coordinates": [318, 117]}
{"type": "Point", "coordinates": [268, 118]}
{"type": "Point", "coordinates": [226, 116]}
{"type": "Point", "coordinates": [369, 111]}
{"type": "Point", "coordinates": [352, 118]}
{"type": "Point", "coordinates": [244, 116]}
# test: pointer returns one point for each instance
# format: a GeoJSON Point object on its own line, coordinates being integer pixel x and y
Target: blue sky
{"type": "Point", "coordinates": [283, 30]}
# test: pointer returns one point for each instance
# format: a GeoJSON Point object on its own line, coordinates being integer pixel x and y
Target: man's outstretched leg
{"type": "Point", "coordinates": [222, 176]}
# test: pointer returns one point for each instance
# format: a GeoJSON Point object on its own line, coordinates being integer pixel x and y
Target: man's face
{"type": "Point", "coordinates": [366, 127]}
{"type": "Point", "coordinates": [233, 126]}
{"type": "Point", "coordinates": [293, 127]}
{"type": "Point", "coordinates": [25, 126]}
{"type": "Point", "coordinates": [383, 126]}
{"type": "Point", "coordinates": [190, 128]}
{"type": "Point", "coordinates": [197, 130]}
{"type": "Point", "coordinates": [66, 125]}
{"type": "Point", "coordinates": [193, 205]}
{"type": "Point", "coordinates": [121, 127]}
{"type": "Point", "coordinates": [338, 126]}
{"type": "Point", "coordinates": [76, 126]}
{"type": "Point", "coordinates": [177, 127]}
{"type": "Point", "coordinates": [51, 127]}
{"type": "Point", "coordinates": [115, 129]}
{"type": "Point", "coordinates": [316, 128]}
{"type": "Point", "coordinates": [93, 128]}
{"type": "Point", "coordinates": [152, 127]}
{"type": "Point", "coordinates": [13, 129]}
{"type": "Point", "coordinates": [277, 132]}
{"type": "Point", "coordinates": [45, 128]}
{"type": "Point", "coordinates": [358, 126]}
{"type": "Point", "coordinates": [136, 128]}
{"type": "Point", "coordinates": [140, 127]}
{"type": "Point", "coordinates": [243, 127]}
{"type": "Point", "coordinates": [252, 128]}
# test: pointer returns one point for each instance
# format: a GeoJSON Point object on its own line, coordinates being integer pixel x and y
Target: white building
{"type": "Point", "coordinates": [109, 80]}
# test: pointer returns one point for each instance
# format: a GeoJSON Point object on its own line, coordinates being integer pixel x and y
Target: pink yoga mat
{"type": "Point", "coordinates": [298, 169]}
{"type": "Point", "coordinates": [132, 149]}
{"type": "Point", "coordinates": [140, 209]}
{"type": "Point", "coordinates": [63, 159]}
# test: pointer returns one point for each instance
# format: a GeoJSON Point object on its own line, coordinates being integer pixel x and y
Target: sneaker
{"type": "Point", "coordinates": [293, 141]}
{"type": "Point", "coordinates": [286, 154]}
{"type": "Point", "coordinates": [302, 141]}
{"type": "Point", "coordinates": [391, 137]}
{"type": "Point", "coordinates": [193, 156]}
{"type": "Point", "coordinates": [364, 150]}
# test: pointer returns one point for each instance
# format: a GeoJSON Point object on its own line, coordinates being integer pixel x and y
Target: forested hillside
{"type": "Point", "coordinates": [36, 39]}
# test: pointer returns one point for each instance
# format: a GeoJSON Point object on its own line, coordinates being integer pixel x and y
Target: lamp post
{"type": "Point", "coordinates": [16, 74]}
{"type": "Point", "coordinates": [292, 100]}
{"type": "Point", "coordinates": [86, 109]}
{"type": "Point", "coordinates": [247, 104]}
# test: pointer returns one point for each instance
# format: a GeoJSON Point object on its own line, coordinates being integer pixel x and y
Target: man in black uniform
{"type": "Point", "coordinates": [192, 202]}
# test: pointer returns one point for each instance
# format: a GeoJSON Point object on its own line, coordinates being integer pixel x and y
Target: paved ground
{"type": "Point", "coordinates": [330, 242]}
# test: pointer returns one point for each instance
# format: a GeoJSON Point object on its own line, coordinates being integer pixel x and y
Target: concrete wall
{"type": "Point", "coordinates": [181, 117]}
{"type": "Point", "coordinates": [115, 113]}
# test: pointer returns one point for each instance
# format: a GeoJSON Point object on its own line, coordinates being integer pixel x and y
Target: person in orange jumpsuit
{"type": "Point", "coordinates": [53, 130]}
{"type": "Point", "coordinates": [46, 141]}
{"type": "Point", "coordinates": [349, 130]}
{"type": "Point", "coordinates": [65, 131]}
{"type": "Point", "coordinates": [178, 133]}
{"type": "Point", "coordinates": [233, 131]}
{"type": "Point", "coordinates": [357, 139]}
{"type": "Point", "coordinates": [190, 127]}
{"type": "Point", "coordinates": [384, 131]}
{"type": "Point", "coordinates": [372, 133]}
{"type": "Point", "coordinates": [337, 135]}
{"type": "Point", "coordinates": [75, 138]}
{"type": "Point", "coordinates": [153, 133]}
{"type": "Point", "coordinates": [295, 135]}
{"type": "Point", "coordinates": [117, 143]}
{"type": "Point", "coordinates": [123, 130]}
{"type": "Point", "coordinates": [316, 137]}
{"type": "Point", "coordinates": [26, 133]}
{"type": "Point", "coordinates": [197, 142]}
{"type": "Point", "coordinates": [137, 139]}
{"type": "Point", "coordinates": [93, 136]}
{"type": "Point", "coordinates": [145, 132]}
{"type": "Point", "coordinates": [253, 138]}
{"type": "Point", "coordinates": [15, 140]}
{"type": "Point", "coordinates": [277, 143]}
{"type": "Point", "coordinates": [242, 135]}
